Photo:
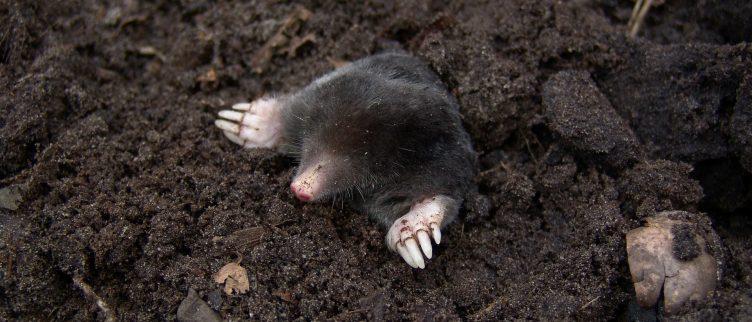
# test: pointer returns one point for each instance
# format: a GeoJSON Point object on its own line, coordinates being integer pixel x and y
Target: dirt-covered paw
{"type": "Point", "coordinates": [411, 234]}
{"type": "Point", "coordinates": [252, 125]}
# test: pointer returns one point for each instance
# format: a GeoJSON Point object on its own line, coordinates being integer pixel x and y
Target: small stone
{"type": "Point", "coordinates": [656, 269]}
{"type": "Point", "coordinates": [10, 198]}
{"type": "Point", "coordinates": [113, 16]}
{"type": "Point", "coordinates": [209, 77]}
{"type": "Point", "coordinates": [215, 299]}
{"type": "Point", "coordinates": [194, 309]}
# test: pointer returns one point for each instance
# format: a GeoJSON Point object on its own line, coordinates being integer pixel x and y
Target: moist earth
{"type": "Point", "coordinates": [112, 173]}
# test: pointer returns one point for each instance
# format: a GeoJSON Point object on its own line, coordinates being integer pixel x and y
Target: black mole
{"type": "Point", "coordinates": [384, 133]}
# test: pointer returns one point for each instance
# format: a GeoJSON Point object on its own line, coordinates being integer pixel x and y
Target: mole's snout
{"type": "Point", "coordinates": [300, 192]}
{"type": "Point", "coordinates": [308, 184]}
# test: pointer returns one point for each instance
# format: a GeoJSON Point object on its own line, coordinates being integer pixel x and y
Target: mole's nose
{"type": "Point", "coordinates": [300, 193]}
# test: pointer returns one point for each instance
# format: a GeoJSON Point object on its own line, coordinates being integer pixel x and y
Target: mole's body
{"type": "Point", "coordinates": [382, 131]}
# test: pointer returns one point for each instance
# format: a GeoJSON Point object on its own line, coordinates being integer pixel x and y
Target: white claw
{"type": "Point", "coordinates": [227, 126]}
{"type": "Point", "coordinates": [412, 248]}
{"type": "Point", "coordinates": [436, 233]}
{"type": "Point", "coordinates": [234, 138]}
{"type": "Point", "coordinates": [242, 106]}
{"type": "Point", "coordinates": [231, 115]}
{"type": "Point", "coordinates": [253, 121]}
{"type": "Point", "coordinates": [425, 243]}
{"type": "Point", "coordinates": [405, 255]}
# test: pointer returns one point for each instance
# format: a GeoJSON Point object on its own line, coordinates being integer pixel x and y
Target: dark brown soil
{"type": "Point", "coordinates": [107, 143]}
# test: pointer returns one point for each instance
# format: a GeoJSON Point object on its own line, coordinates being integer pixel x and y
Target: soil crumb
{"type": "Point", "coordinates": [106, 124]}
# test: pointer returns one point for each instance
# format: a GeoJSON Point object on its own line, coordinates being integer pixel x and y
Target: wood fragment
{"type": "Point", "coordinates": [590, 302]}
{"type": "Point", "coordinates": [336, 62]}
{"type": "Point", "coordinates": [150, 51]}
{"type": "Point", "coordinates": [639, 11]}
{"type": "Point", "coordinates": [92, 296]}
{"type": "Point", "coordinates": [297, 42]}
{"type": "Point", "coordinates": [132, 20]}
{"type": "Point", "coordinates": [209, 79]}
{"type": "Point", "coordinates": [243, 239]}
{"type": "Point", "coordinates": [284, 295]}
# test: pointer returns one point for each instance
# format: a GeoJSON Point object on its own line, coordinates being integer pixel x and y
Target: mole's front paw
{"type": "Point", "coordinates": [252, 125]}
{"type": "Point", "coordinates": [412, 232]}
{"type": "Point", "coordinates": [668, 254]}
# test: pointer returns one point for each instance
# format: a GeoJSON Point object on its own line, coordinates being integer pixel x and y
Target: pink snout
{"type": "Point", "coordinates": [300, 191]}
{"type": "Point", "coordinates": [308, 184]}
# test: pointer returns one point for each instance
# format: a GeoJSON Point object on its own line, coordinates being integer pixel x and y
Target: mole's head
{"type": "Point", "coordinates": [323, 173]}
{"type": "Point", "coordinates": [348, 153]}
{"type": "Point", "coordinates": [350, 137]}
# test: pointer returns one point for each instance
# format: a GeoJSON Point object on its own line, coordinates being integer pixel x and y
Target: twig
{"type": "Point", "coordinates": [482, 314]}
{"type": "Point", "coordinates": [91, 295]}
{"type": "Point", "coordinates": [500, 165]}
{"type": "Point", "coordinates": [530, 151]}
{"type": "Point", "coordinates": [635, 10]}
{"type": "Point", "coordinates": [638, 16]}
{"type": "Point", "coordinates": [590, 302]}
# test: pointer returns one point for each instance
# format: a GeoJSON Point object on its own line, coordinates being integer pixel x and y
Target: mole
{"type": "Point", "coordinates": [384, 133]}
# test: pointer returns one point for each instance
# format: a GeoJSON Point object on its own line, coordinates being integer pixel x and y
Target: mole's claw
{"type": "Point", "coordinates": [234, 138]}
{"type": "Point", "coordinates": [253, 122]}
{"type": "Point", "coordinates": [668, 254]}
{"type": "Point", "coordinates": [253, 125]}
{"type": "Point", "coordinates": [227, 126]}
{"type": "Point", "coordinates": [405, 255]}
{"type": "Point", "coordinates": [231, 115]}
{"type": "Point", "coordinates": [242, 106]}
{"type": "Point", "coordinates": [412, 248]}
{"type": "Point", "coordinates": [436, 233]}
{"type": "Point", "coordinates": [425, 243]}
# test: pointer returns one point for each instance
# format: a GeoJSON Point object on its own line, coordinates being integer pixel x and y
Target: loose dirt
{"type": "Point", "coordinates": [121, 181]}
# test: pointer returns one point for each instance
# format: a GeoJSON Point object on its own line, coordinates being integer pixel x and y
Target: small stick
{"type": "Point", "coordinates": [635, 28]}
{"type": "Point", "coordinates": [635, 10]}
{"type": "Point", "coordinates": [591, 302]}
{"type": "Point", "coordinates": [90, 294]}
{"type": "Point", "coordinates": [530, 151]}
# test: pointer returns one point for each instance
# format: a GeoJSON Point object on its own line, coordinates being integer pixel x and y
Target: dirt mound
{"type": "Point", "coordinates": [121, 182]}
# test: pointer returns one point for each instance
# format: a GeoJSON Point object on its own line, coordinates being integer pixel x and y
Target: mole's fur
{"type": "Point", "coordinates": [390, 130]}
